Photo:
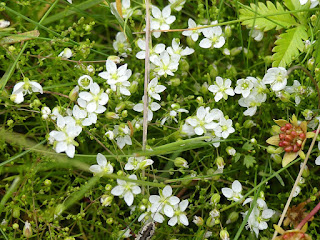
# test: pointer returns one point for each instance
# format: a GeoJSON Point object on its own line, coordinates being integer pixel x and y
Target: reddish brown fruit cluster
{"type": "Point", "coordinates": [294, 236]}
{"type": "Point", "coordinates": [291, 138]}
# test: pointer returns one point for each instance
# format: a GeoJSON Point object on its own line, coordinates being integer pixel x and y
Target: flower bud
{"type": "Point", "coordinates": [313, 19]}
{"type": "Point", "coordinates": [27, 230]}
{"type": "Point", "coordinates": [235, 51]}
{"type": "Point", "coordinates": [310, 63]}
{"type": "Point", "coordinates": [276, 158]}
{"type": "Point", "coordinates": [308, 114]}
{"type": "Point", "coordinates": [16, 212]}
{"type": "Point", "coordinates": [204, 88]}
{"type": "Point", "coordinates": [224, 235]}
{"type": "Point", "coordinates": [227, 31]}
{"type": "Point", "coordinates": [73, 95]}
{"type": "Point", "coordinates": [85, 81]}
{"type": "Point", "coordinates": [112, 115]}
{"type": "Point", "coordinates": [249, 124]}
{"type": "Point", "coordinates": [110, 135]}
{"type": "Point", "coordinates": [15, 226]}
{"type": "Point", "coordinates": [115, 59]}
{"type": "Point", "coordinates": [106, 200]}
{"type": "Point", "coordinates": [210, 222]}
{"type": "Point", "coordinates": [262, 195]}
{"type": "Point", "coordinates": [198, 221]}
{"type": "Point", "coordinates": [215, 198]}
{"type": "Point", "coordinates": [231, 151]}
{"type": "Point", "coordinates": [109, 221]}
{"type": "Point", "coordinates": [181, 162]}
{"type": "Point", "coordinates": [232, 217]}
{"type": "Point", "coordinates": [36, 103]}
{"type": "Point", "coordinates": [220, 162]}
{"type": "Point", "coordinates": [190, 42]}
{"type": "Point", "coordinates": [268, 60]}
{"type": "Point", "coordinates": [199, 100]}
{"type": "Point", "coordinates": [120, 107]}
{"type": "Point", "coordinates": [133, 87]}
{"type": "Point", "coordinates": [124, 113]}
{"type": "Point", "coordinates": [184, 65]}
{"type": "Point", "coordinates": [306, 171]}
{"type": "Point", "coordinates": [253, 141]}
{"type": "Point", "coordinates": [90, 69]}
{"type": "Point", "coordinates": [226, 52]}
{"type": "Point", "coordinates": [213, 71]}
{"type": "Point", "coordinates": [188, 181]}
{"type": "Point", "coordinates": [174, 82]}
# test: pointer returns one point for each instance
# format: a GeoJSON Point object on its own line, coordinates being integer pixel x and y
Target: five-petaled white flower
{"type": "Point", "coordinates": [213, 37]}
{"type": "Point", "coordinates": [153, 51]}
{"type": "Point", "coordinates": [161, 19]}
{"type": "Point", "coordinates": [165, 64]}
{"type": "Point", "coordinates": [125, 7]}
{"type": "Point", "coordinates": [66, 53]}
{"type": "Point", "coordinates": [221, 89]}
{"type": "Point", "coordinates": [152, 107]}
{"type": "Point", "coordinates": [135, 163]}
{"type": "Point", "coordinates": [94, 100]}
{"type": "Point", "coordinates": [164, 202]}
{"type": "Point", "coordinates": [126, 190]}
{"type": "Point", "coordinates": [244, 86]}
{"type": "Point", "coordinates": [154, 89]}
{"type": "Point", "coordinates": [122, 135]}
{"type": "Point", "coordinates": [177, 50]}
{"type": "Point", "coordinates": [276, 77]}
{"type": "Point", "coordinates": [179, 216]}
{"type": "Point", "coordinates": [234, 193]}
{"type": "Point", "coordinates": [103, 165]}
{"type": "Point", "coordinates": [122, 45]}
{"type": "Point", "coordinates": [23, 88]}
{"type": "Point", "coordinates": [85, 81]}
{"type": "Point", "coordinates": [194, 34]}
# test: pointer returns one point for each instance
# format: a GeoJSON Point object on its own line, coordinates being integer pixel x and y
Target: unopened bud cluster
{"type": "Point", "coordinates": [291, 138]}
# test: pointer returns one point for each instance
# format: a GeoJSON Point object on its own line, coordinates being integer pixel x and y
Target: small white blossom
{"type": "Point", "coordinates": [256, 34]}
{"type": "Point", "coordinates": [165, 64]}
{"type": "Point", "coordinates": [122, 45]}
{"type": "Point", "coordinates": [194, 34]}
{"type": "Point", "coordinates": [23, 88]}
{"type": "Point", "coordinates": [46, 112]}
{"type": "Point", "coordinates": [66, 53]}
{"type": "Point", "coordinates": [164, 202]}
{"type": "Point", "coordinates": [221, 89]}
{"type": "Point", "coordinates": [135, 163]}
{"type": "Point", "coordinates": [103, 165]}
{"type": "Point", "coordinates": [106, 200]}
{"type": "Point", "coordinates": [85, 81]}
{"type": "Point", "coordinates": [154, 89]}
{"type": "Point", "coordinates": [244, 86]}
{"type": "Point", "coordinates": [276, 77]}
{"type": "Point", "coordinates": [234, 193]}
{"type": "Point", "coordinates": [173, 113]}
{"type": "Point", "coordinates": [126, 190]}
{"type": "Point", "coordinates": [161, 20]}
{"type": "Point", "coordinates": [152, 107]}
{"type": "Point", "coordinates": [213, 37]}
{"type": "Point", "coordinates": [4, 23]}
{"type": "Point", "coordinates": [178, 7]}
{"type": "Point", "coordinates": [179, 216]}
{"type": "Point", "coordinates": [177, 50]}
{"type": "Point", "coordinates": [153, 51]}
{"type": "Point", "coordinates": [122, 135]}
{"type": "Point", "coordinates": [125, 7]}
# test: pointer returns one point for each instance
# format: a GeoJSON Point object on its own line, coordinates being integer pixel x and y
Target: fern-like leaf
{"type": "Point", "coordinates": [296, 5]}
{"type": "Point", "coordinates": [288, 46]}
{"type": "Point", "coordinates": [275, 16]}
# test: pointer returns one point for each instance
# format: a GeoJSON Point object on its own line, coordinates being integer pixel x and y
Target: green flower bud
{"type": "Point", "coordinates": [115, 59]}
{"type": "Point", "coordinates": [268, 60]}
{"type": "Point", "coordinates": [231, 151]}
{"type": "Point", "coordinates": [124, 113]}
{"type": "Point", "coordinates": [261, 193]}
{"type": "Point", "coordinates": [181, 162]}
{"type": "Point", "coordinates": [249, 124]}
{"type": "Point", "coordinates": [227, 31]}
{"type": "Point", "coordinates": [15, 226]}
{"type": "Point", "coordinates": [284, 96]}
{"type": "Point", "coordinates": [188, 181]}
{"type": "Point", "coordinates": [199, 100]}
{"type": "Point", "coordinates": [235, 51]}
{"type": "Point", "coordinates": [248, 53]}
{"type": "Point", "coordinates": [121, 106]}
{"type": "Point", "coordinates": [133, 87]}
{"type": "Point", "coordinates": [224, 235]}
{"type": "Point", "coordinates": [220, 162]}
{"type": "Point", "coordinates": [190, 42]}
{"type": "Point", "coordinates": [16, 212]}
{"type": "Point", "coordinates": [120, 173]}
{"type": "Point", "coordinates": [108, 187]}
{"type": "Point", "coordinates": [27, 230]}
{"type": "Point", "coordinates": [306, 172]}
{"type": "Point", "coordinates": [36, 103]}
{"type": "Point", "coordinates": [12, 49]}
{"type": "Point", "coordinates": [313, 19]}
{"type": "Point", "coordinates": [276, 158]}
{"type": "Point", "coordinates": [47, 182]}
{"type": "Point", "coordinates": [210, 222]}
{"type": "Point", "coordinates": [215, 198]}
{"type": "Point", "coordinates": [271, 149]}
{"type": "Point", "coordinates": [174, 82]}
{"type": "Point", "coordinates": [109, 220]}
{"type": "Point", "coordinates": [73, 95]}
{"type": "Point", "coordinates": [310, 63]}
{"type": "Point", "coordinates": [198, 221]}
{"type": "Point", "coordinates": [204, 88]}
{"type": "Point", "coordinates": [106, 200]}
{"type": "Point", "coordinates": [232, 217]}
{"type": "Point", "coordinates": [10, 122]}
{"type": "Point", "coordinates": [253, 141]}
{"type": "Point", "coordinates": [112, 115]}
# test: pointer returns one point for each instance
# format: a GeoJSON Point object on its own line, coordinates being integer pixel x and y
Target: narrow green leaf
{"type": "Point", "coordinates": [288, 46]}
{"type": "Point", "coordinates": [279, 21]}
{"type": "Point", "coordinates": [9, 193]}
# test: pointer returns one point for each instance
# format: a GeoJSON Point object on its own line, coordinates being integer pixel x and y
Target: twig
{"type": "Point", "coordinates": [98, 141]}
{"type": "Point", "coordinates": [296, 182]}
{"type": "Point", "coordinates": [56, 93]}
{"type": "Point", "coordinates": [290, 70]}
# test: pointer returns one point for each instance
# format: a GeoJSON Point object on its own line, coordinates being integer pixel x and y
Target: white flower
{"type": "Point", "coordinates": [23, 88]}
{"type": "Point", "coordinates": [4, 23]}
{"type": "Point", "coordinates": [152, 107]}
{"type": "Point", "coordinates": [179, 216]}
{"type": "Point", "coordinates": [117, 77]}
{"type": "Point", "coordinates": [203, 121]}
{"type": "Point", "coordinates": [194, 34]}
{"type": "Point", "coordinates": [85, 81]}
{"type": "Point", "coordinates": [276, 77]}
{"type": "Point", "coordinates": [126, 190]}
{"type": "Point", "coordinates": [146, 216]}
{"type": "Point", "coordinates": [122, 135]}
{"type": "Point", "coordinates": [259, 216]}
{"type": "Point", "coordinates": [126, 10]}
{"type": "Point", "coordinates": [45, 111]}
{"type": "Point", "coordinates": [314, 3]}
{"type": "Point", "coordinates": [161, 20]}
{"type": "Point", "coordinates": [173, 113]}
{"type": "Point", "coordinates": [165, 202]}
{"type": "Point", "coordinates": [106, 200]}
{"type": "Point", "coordinates": [234, 193]}
{"type": "Point", "coordinates": [256, 34]}
{"type": "Point", "coordinates": [317, 162]}
{"type": "Point", "coordinates": [66, 53]}
{"type": "Point", "coordinates": [297, 90]}
{"type": "Point", "coordinates": [213, 37]}
{"type": "Point", "coordinates": [244, 86]}
{"type": "Point", "coordinates": [153, 51]}
{"type": "Point", "coordinates": [226, 127]}
{"type": "Point", "coordinates": [154, 89]}
{"type": "Point", "coordinates": [122, 45]}
{"type": "Point", "coordinates": [69, 1]}
{"type": "Point", "coordinates": [177, 50]}
{"type": "Point", "coordinates": [63, 139]}
{"type": "Point", "coordinates": [165, 64]}
{"type": "Point", "coordinates": [94, 100]}
{"type": "Point", "coordinates": [178, 6]}
{"type": "Point", "coordinates": [103, 165]}
{"type": "Point", "coordinates": [135, 163]}
{"type": "Point", "coordinates": [221, 89]}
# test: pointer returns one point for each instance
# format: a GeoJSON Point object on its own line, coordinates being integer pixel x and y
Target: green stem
{"type": "Point", "coordinates": [10, 191]}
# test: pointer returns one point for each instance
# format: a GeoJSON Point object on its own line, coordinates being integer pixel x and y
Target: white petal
{"type": "Point", "coordinates": [183, 204]}
{"type": "Point", "coordinates": [184, 220]}
{"type": "Point", "coordinates": [128, 198]}
{"type": "Point", "coordinates": [117, 190]}
{"type": "Point", "coordinates": [154, 198]}
{"type": "Point", "coordinates": [173, 221]}
{"type": "Point", "coordinates": [236, 186]}
{"type": "Point", "coordinates": [168, 210]}
{"type": "Point", "coordinates": [102, 161]}
{"type": "Point", "coordinates": [167, 191]}
{"type": "Point", "coordinates": [227, 192]}
{"type": "Point", "coordinates": [111, 66]}
{"type": "Point", "coordinates": [205, 43]}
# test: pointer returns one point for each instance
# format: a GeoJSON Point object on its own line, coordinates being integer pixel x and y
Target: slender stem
{"type": "Point", "coordinates": [310, 76]}
{"type": "Point", "coordinates": [56, 93]}
{"type": "Point", "coordinates": [296, 182]}
{"type": "Point", "coordinates": [310, 215]}
{"type": "Point", "coordinates": [98, 141]}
